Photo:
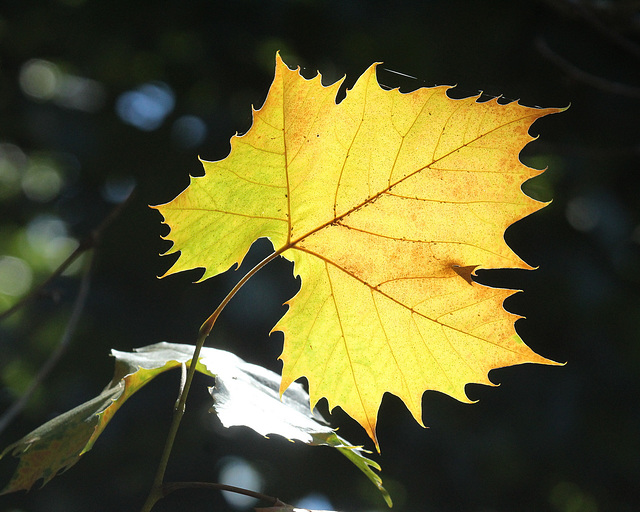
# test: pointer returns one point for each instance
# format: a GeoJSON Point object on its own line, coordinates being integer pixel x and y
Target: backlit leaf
{"type": "Point", "coordinates": [248, 395]}
{"type": "Point", "coordinates": [386, 203]}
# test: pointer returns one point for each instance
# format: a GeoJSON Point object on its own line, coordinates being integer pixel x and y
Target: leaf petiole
{"type": "Point", "coordinates": [156, 492]}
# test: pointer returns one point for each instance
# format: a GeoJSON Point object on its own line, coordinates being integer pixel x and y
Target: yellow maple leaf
{"type": "Point", "coordinates": [386, 203]}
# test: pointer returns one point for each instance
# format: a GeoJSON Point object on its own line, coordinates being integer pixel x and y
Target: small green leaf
{"type": "Point", "coordinates": [58, 444]}
{"type": "Point", "coordinates": [355, 455]}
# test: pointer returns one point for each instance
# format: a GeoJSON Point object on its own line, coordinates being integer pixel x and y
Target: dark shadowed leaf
{"type": "Point", "coordinates": [244, 394]}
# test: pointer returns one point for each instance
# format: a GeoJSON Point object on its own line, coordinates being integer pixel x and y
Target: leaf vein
{"type": "Point", "coordinates": [346, 346]}
{"type": "Point", "coordinates": [390, 346]}
{"type": "Point", "coordinates": [225, 212]}
{"type": "Point", "coordinates": [245, 179]}
{"type": "Point", "coordinates": [390, 297]}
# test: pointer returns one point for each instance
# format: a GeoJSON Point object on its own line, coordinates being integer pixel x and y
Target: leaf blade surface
{"type": "Point", "coordinates": [381, 201]}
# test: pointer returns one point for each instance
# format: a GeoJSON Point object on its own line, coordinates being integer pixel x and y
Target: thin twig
{"type": "Point", "coordinates": [588, 15]}
{"type": "Point", "coordinates": [56, 355]}
{"type": "Point", "coordinates": [170, 487]}
{"type": "Point", "coordinates": [156, 493]}
{"type": "Point", "coordinates": [90, 242]}
{"type": "Point", "coordinates": [584, 77]}
{"type": "Point", "coordinates": [84, 245]}
{"type": "Point", "coordinates": [87, 243]}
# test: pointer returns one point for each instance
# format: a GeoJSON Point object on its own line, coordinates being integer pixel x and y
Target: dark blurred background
{"type": "Point", "coordinates": [97, 97]}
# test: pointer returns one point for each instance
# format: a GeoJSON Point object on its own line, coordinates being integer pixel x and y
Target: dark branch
{"type": "Point", "coordinates": [582, 76]}
{"type": "Point", "coordinates": [170, 487]}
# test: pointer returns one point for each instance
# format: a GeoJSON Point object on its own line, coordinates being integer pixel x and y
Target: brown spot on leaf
{"type": "Point", "coordinates": [465, 273]}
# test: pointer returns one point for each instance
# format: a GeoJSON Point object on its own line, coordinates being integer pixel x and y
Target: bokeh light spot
{"type": "Point", "coordinates": [568, 497]}
{"type": "Point", "coordinates": [15, 276]}
{"type": "Point", "coordinates": [583, 213]}
{"type": "Point", "coordinates": [117, 188]}
{"type": "Point", "coordinates": [188, 132]}
{"type": "Point", "coordinates": [47, 237]}
{"type": "Point", "coordinates": [314, 501]}
{"type": "Point", "coordinates": [41, 182]}
{"type": "Point", "coordinates": [240, 473]}
{"type": "Point", "coordinates": [80, 93]}
{"type": "Point", "coordinates": [147, 106]}
{"type": "Point", "coordinates": [39, 79]}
